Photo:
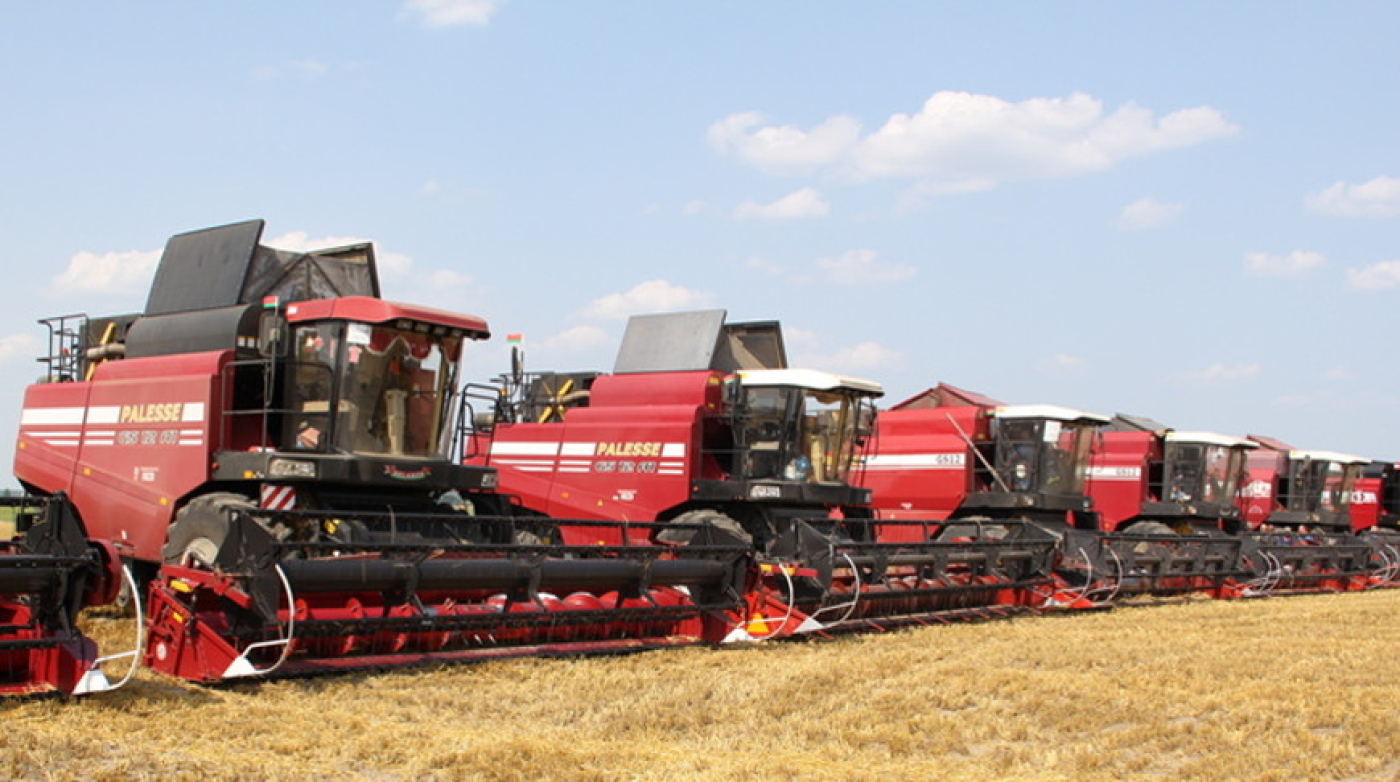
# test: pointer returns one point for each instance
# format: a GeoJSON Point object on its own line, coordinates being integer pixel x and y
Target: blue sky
{"type": "Point", "coordinates": [1181, 210]}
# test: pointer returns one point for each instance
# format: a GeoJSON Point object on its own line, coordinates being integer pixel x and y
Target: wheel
{"type": "Point", "coordinates": [1153, 528]}
{"type": "Point", "coordinates": [972, 528]}
{"type": "Point", "coordinates": [201, 527]}
{"type": "Point", "coordinates": [1148, 528]}
{"type": "Point", "coordinates": [696, 522]}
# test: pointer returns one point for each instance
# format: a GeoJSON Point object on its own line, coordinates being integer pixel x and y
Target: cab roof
{"type": "Point", "coordinates": [1209, 438]}
{"type": "Point", "coordinates": [363, 309]}
{"type": "Point", "coordinates": [810, 379]}
{"type": "Point", "coordinates": [1052, 412]}
{"type": "Point", "coordinates": [1327, 456]}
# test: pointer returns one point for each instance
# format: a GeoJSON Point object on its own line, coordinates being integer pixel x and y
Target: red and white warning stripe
{"type": "Point", "coordinates": [278, 497]}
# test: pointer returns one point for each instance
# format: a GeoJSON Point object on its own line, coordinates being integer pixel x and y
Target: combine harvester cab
{"type": "Point", "coordinates": [48, 574]}
{"type": "Point", "coordinates": [1375, 516]}
{"type": "Point", "coordinates": [1296, 508]}
{"type": "Point", "coordinates": [703, 426]}
{"type": "Point", "coordinates": [1169, 498]}
{"type": "Point", "coordinates": [272, 445]}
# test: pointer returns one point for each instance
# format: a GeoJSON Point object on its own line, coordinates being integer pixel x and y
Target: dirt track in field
{"type": "Point", "coordinates": [1279, 689]}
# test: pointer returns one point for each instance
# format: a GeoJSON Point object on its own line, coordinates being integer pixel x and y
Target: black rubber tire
{"type": "Point", "coordinates": [200, 528]}
{"type": "Point", "coordinates": [976, 527]}
{"type": "Point", "coordinates": [703, 517]}
{"type": "Point", "coordinates": [1148, 528]}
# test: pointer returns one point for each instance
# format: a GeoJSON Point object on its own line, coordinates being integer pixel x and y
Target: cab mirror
{"type": "Point", "coordinates": [272, 335]}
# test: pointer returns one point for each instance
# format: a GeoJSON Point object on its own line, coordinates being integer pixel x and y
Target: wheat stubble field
{"type": "Point", "coordinates": [1281, 689]}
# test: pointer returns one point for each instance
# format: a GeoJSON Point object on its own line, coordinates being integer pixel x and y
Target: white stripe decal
{"type": "Point", "coordinates": [51, 416]}
{"type": "Point", "coordinates": [106, 414]}
{"type": "Point", "coordinates": [1115, 473]}
{"type": "Point", "coordinates": [928, 461]}
{"type": "Point", "coordinates": [673, 451]}
{"type": "Point", "coordinates": [193, 412]}
{"type": "Point", "coordinates": [578, 449]}
{"type": "Point", "coordinates": [524, 449]}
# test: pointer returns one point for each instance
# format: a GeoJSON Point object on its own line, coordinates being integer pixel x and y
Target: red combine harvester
{"type": "Point", "coordinates": [278, 441]}
{"type": "Point", "coordinates": [966, 458]}
{"type": "Point", "coordinates": [1375, 515]}
{"type": "Point", "coordinates": [1146, 476]}
{"type": "Point", "coordinates": [702, 424]}
{"type": "Point", "coordinates": [1148, 479]}
{"type": "Point", "coordinates": [47, 575]}
{"type": "Point", "coordinates": [1297, 505]}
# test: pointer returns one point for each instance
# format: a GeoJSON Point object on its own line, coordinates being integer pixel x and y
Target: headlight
{"type": "Point", "coordinates": [291, 468]}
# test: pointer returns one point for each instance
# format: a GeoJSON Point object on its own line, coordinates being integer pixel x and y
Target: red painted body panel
{"type": "Point", "coordinates": [630, 455]}
{"type": "Point", "coordinates": [1259, 496]}
{"type": "Point", "coordinates": [126, 445]}
{"type": "Point", "coordinates": [917, 464]}
{"type": "Point", "coordinates": [1119, 475]}
{"type": "Point", "coordinates": [1366, 504]}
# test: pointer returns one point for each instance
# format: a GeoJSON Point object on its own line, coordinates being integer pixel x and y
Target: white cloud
{"type": "Point", "coordinates": [856, 358]}
{"type": "Point", "coordinates": [856, 267]}
{"type": "Point", "coordinates": [1064, 365]}
{"type": "Point", "coordinates": [1376, 277]}
{"type": "Point", "coordinates": [1147, 213]}
{"type": "Point", "coordinates": [648, 297]}
{"type": "Point", "coordinates": [578, 338]}
{"type": "Point", "coordinates": [1379, 197]}
{"type": "Point", "coordinates": [1217, 374]}
{"type": "Point", "coordinates": [112, 273]}
{"type": "Point", "coordinates": [300, 241]}
{"type": "Point", "coordinates": [25, 346]}
{"type": "Point", "coordinates": [804, 203]}
{"type": "Point", "coordinates": [450, 13]}
{"type": "Point", "coordinates": [960, 141]}
{"type": "Point", "coordinates": [1294, 264]}
{"type": "Point", "coordinates": [784, 149]}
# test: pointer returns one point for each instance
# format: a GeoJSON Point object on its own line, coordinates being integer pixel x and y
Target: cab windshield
{"type": "Point", "coordinates": [803, 435]}
{"type": "Point", "coordinates": [1041, 455]}
{"type": "Point", "coordinates": [1202, 472]}
{"type": "Point", "coordinates": [388, 387]}
{"type": "Point", "coordinates": [1321, 485]}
